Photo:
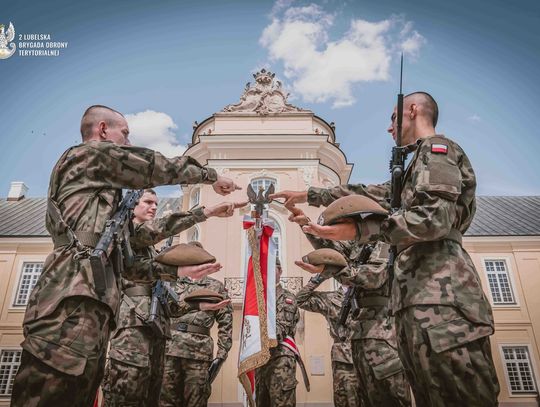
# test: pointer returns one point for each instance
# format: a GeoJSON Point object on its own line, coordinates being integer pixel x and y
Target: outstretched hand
{"type": "Point", "coordinates": [297, 215]}
{"type": "Point", "coordinates": [339, 231]}
{"type": "Point", "coordinates": [224, 209]}
{"type": "Point", "coordinates": [199, 271]}
{"type": "Point", "coordinates": [224, 186]}
{"type": "Point", "coordinates": [209, 306]}
{"type": "Point", "coordinates": [291, 197]}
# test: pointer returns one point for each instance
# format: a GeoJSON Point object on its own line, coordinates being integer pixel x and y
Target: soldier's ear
{"type": "Point", "coordinates": [102, 130]}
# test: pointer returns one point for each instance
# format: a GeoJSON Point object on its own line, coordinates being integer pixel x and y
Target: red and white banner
{"type": "Point", "coordinates": [258, 333]}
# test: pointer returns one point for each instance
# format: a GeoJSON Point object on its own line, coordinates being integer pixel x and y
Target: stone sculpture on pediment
{"type": "Point", "coordinates": [265, 97]}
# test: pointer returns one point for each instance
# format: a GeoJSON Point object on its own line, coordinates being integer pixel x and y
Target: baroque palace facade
{"type": "Point", "coordinates": [263, 139]}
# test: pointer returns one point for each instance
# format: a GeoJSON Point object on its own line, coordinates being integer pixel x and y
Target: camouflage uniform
{"type": "Point", "coordinates": [443, 318]}
{"type": "Point", "coordinates": [275, 382]}
{"type": "Point", "coordinates": [189, 354]}
{"type": "Point", "coordinates": [328, 303]}
{"type": "Point", "coordinates": [67, 324]}
{"type": "Point", "coordinates": [134, 372]}
{"type": "Point", "coordinates": [374, 347]}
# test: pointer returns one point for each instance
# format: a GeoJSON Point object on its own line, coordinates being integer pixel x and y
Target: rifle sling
{"type": "Point", "coordinates": [89, 239]}
{"type": "Point", "coordinates": [138, 290]}
{"type": "Point", "coordinates": [454, 235]}
{"type": "Point", "coordinates": [194, 329]}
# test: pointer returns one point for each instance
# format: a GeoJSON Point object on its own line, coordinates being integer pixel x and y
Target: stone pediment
{"type": "Point", "coordinates": [265, 97]}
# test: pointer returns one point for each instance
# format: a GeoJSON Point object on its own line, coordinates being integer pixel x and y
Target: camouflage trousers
{"type": "Point", "coordinates": [63, 356]}
{"type": "Point", "coordinates": [346, 385]}
{"type": "Point", "coordinates": [382, 377]}
{"type": "Point", "coordinates": [135, 369]}
{"type": "Point", "coordinates": [447, 358]}
{"type": "Point", "coordinates": [275, 383]}
{"type": "Point", "coordinates": [185, 382]}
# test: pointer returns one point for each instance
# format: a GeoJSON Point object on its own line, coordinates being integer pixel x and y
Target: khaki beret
{"type": "Point", "coordinates": [328, 257]}
{"type": "Point", "coordinates": [185, 255]}
{"type": "Point", "coordinates": [203, 295]}
{"type": "Point", "coordinates": [351, 206]}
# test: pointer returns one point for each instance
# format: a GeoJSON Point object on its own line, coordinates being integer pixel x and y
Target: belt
{"type": "Point", "coordinates": [138, 290]}
{"type": "Point", "coordinates": [86, 238]}
{"type": "Point", "coordinates": [454, 235]}
{"type": "Point", "coordinates": [375, 301]}
{"type": "Point", "coordinates": [194, 329]}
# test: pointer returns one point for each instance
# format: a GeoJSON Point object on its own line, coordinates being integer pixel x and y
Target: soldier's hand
{"type": "Point", "coordinates": [297, 215]}
{"type": "Point", "coordinates": [347, 230]}
{"type": "Point", "coordinates": [208, 306]}
{"type": "Point", "coordinates": [224, 209]}
{"type": "Point", "coordinates": [198, 272]}
{"type": "Point", "coordinates": [310, 268]}
{"type": "Point", "coordinates": [291, 197]}
{"type": "Point", "coordinates": [224, 186]}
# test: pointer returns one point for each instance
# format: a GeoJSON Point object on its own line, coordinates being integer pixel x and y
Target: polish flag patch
{"type": "Point", "coordinates": [288, 300]}
{"type": "Point", "coordinates": [439, 148]}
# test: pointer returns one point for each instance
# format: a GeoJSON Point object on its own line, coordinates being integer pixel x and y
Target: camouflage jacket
{"type": "Point", "coordinates": [135, 310]}
{"type": "Point", "coordinates": [86, 183]}
{"type": "Point", "coordinates": [438, 197]}
{"type": "Point", "coordinates": [328, 304]}
{"type": "Point", "coordinates": [371, 282]}
{"type": "Point", "coordinates": [287, 316]}
{"type": "Point", "coordinates": [193, 345]}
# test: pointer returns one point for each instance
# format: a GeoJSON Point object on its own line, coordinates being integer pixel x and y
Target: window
{"type": "Point", "coordinates": [193, 234]}
{"type": "Point", "coordinates": [499, 282]}
{"type": "Point", "coordinates": [9, 364]}
{"type": "Point", "coordinates": [257, 183]}
{"type": "Point", "coordinates": [276, 238]}
{"type": "Point", "coordinates": [519, 369]}
{"type": "Point", "coordinates": [195, 197]}
{"type": "Point", "coordinates": [29, 278]}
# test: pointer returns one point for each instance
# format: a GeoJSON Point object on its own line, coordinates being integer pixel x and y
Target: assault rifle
{"type": "Point", "coordinates": [397, 164]}
{"type": "Point", "coordinates": [115, 236]}
{"type": "Point", "coordinates": [160, 298]}
{"type": "Point", "coordinates": [349, 302]}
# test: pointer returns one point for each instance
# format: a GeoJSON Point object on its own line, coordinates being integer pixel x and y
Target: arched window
{"type": "Point", "coordinates": [195, 197]}
{"type": "Point", "coordinates": [257, 183]}
{"type": "Point", "coordinates": [276, 237]}
{"type": "Point", "coordinates": [193, 234]}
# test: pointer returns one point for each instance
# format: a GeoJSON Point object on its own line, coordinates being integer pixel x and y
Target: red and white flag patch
{"type": "Point", "coordinates": [288, 300]}
{"type": "Point", "coordinates": [439, 148]}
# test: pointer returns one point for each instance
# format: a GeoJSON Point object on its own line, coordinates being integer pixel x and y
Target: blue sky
{"type": "Point", "coordinates": [183, 61]}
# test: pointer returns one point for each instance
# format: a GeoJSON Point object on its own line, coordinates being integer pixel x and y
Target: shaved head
{"type": "Point", "coordinates": [426, 105]}
{"type": "Point", "coordinates": [96, 114]}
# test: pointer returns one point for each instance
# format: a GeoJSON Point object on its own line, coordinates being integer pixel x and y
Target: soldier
{"type": "Point", "coordinates": [328, 303]}
{"type": "Point", "coordinates": [189, 354]}
{"type": "Point", "coordinates": [67, 323]}
{"type": "Point", "coordinates": [443, 318]}
{"type": "Point", "coordinates": [374, 348]}
{"type": "Point", "coordinates": [275, 382]}
{"type": "Point", "coordinates": [135, 370]}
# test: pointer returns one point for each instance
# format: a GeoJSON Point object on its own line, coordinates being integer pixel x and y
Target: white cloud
{"type": "Point", "coordinates": [320, 69]}
{"type": "Point", "coordinates": [475, 118]}
{"type": "Point", "coordinates": [154, 130]}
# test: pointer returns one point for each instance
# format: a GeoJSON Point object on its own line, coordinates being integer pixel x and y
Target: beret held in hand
{"type": "Point", "coordinates": [203, 295]}
{"type": "Point", "coordinates": [330, 258]}
{"type": "Point", "coordinates": [185, 254]}
{"type": "Point", "coordinates": [351, 206]}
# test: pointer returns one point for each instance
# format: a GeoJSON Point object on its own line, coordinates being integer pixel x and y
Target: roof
{"type": "Point", "coordinates": [26, 218]}
{"type": "Point", "coordinates": [506, 216]}
{"type": "Point", "coordinates": [495, 216]}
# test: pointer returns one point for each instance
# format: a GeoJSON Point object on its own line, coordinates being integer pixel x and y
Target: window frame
{"type": "Point", "coordinates": [532, 366]}
{"type": "Point", "coordinates": [10, 349]}
{"type": "Point", "coordinates": [511, 280]}
{"type": "Point", "coordinates": [19, 275]}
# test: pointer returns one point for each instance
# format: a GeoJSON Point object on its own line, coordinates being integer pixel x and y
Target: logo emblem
{"type": "Point", "coordinates": [7, 48]}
